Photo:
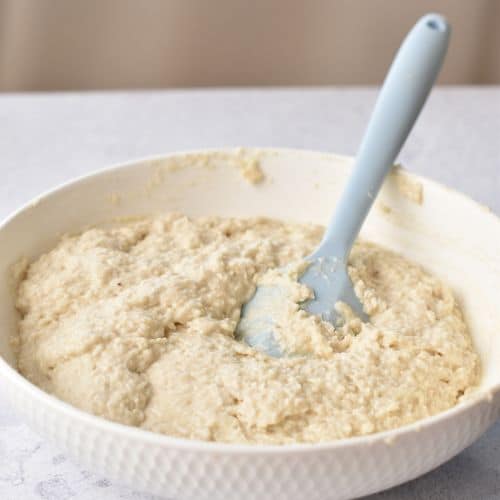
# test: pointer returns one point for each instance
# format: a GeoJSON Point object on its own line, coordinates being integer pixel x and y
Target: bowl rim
{"type": "Point", "coordinates": [12, 377]}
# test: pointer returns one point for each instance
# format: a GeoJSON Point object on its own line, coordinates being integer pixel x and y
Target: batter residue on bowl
{"type": "Point", "coordinates": [136, 322]}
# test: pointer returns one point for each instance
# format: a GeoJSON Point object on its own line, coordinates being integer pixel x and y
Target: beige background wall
{"type": "Point", "coordinates": [94, 44]}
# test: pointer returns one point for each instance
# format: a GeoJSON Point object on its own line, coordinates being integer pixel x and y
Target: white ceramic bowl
{"type": "Point", "coordinates": [451, 235]}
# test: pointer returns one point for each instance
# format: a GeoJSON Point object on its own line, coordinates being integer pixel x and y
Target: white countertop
{"type": "Point", "coordinates": [49, 138]}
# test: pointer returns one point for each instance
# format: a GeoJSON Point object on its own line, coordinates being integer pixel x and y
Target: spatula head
{"type": "Point", "coordinates": [327, 277]}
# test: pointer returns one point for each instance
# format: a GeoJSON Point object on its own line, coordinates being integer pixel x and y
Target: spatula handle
{"type": "Point", "coordinates": [403, 95]}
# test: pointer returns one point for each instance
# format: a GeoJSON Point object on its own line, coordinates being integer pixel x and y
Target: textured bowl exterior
{"type": "Point", "coordinates": [194, 470]}
{"type": "Point", "coordinates": [182, 469]}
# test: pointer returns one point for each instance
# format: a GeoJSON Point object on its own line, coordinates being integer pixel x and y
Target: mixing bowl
{"type": "Point", "coordinates": [450, 235]}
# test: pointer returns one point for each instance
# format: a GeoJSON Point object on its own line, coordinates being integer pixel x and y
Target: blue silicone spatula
{"type": "Point", "coordinates": [403, 95]}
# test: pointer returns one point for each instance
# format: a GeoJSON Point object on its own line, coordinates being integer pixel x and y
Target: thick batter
{"type": "Point", "coordinates": [136, 322]}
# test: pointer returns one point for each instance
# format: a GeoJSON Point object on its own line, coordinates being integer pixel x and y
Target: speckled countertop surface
{"type": "Point", "coordinates": [49, 138]}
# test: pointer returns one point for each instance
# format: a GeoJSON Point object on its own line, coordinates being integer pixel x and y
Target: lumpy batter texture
{"type": "Point", "coordinates": [136, 323]}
